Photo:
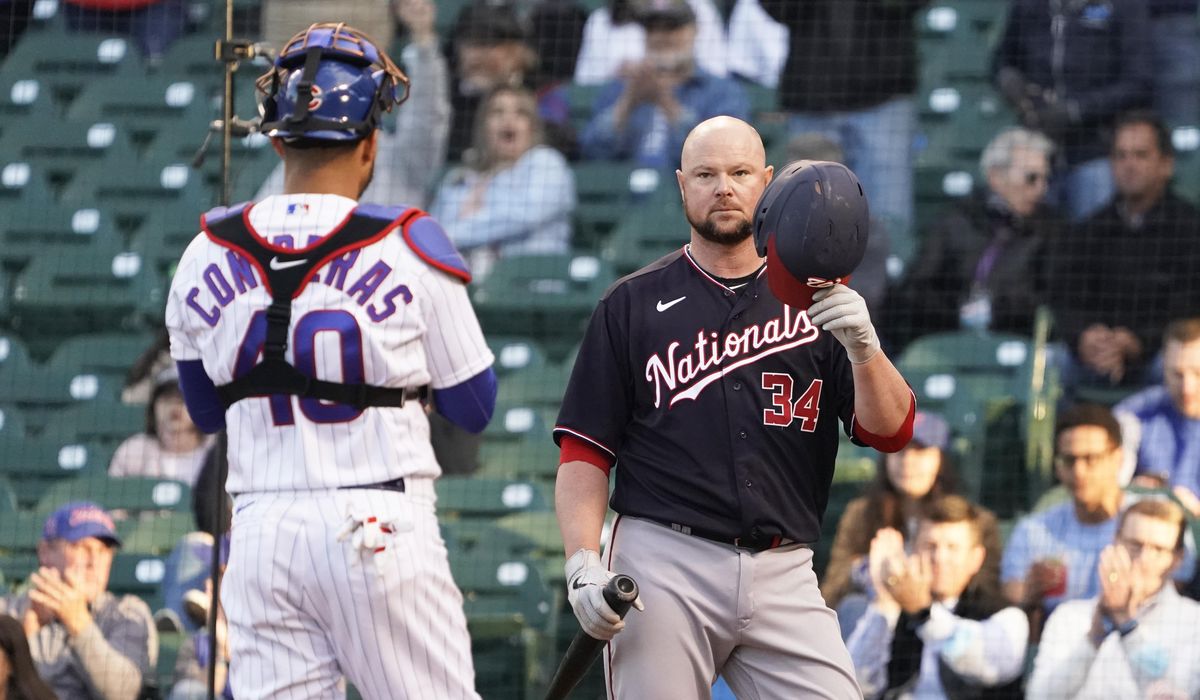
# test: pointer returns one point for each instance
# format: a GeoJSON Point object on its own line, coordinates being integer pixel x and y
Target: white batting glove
{"type": "Point", "coordinates": [843, 312]}
{"type": "Point", "coordinates": [586, 579]}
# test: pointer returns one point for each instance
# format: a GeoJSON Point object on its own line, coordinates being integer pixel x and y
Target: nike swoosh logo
{"type": "Point", "coordinates": [577, 585]}
{"type": "Point", "coordinates": [277, 265]}
{"type": "Point", "coordinates": [663, 307]}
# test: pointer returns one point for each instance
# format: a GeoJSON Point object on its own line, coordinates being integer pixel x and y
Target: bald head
{"type": "Point", "coordinates": [722, 174]}
{"type": "Point", "coordinates": [728, 134]}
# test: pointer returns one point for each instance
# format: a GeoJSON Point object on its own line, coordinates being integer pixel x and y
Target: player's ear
{"type": "Point", "coordinates": [769, 172]}
{"type": "Point", "coordinates": [368, 147]}
{"type": "Point", "coordinates": [277, 144]}
{"type": "Point", "coordinates": [679, 181]}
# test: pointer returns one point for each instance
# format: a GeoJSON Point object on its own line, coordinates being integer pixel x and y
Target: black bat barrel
{"type": "Point", "coordinates": [620, 593]}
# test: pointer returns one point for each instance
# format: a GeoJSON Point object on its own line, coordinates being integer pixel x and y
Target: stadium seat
{"type": "Point", "coordinates": [549, 297]}
{"type": "Point", "coordinates": [45, 230]}
{"type": "Point", "coordinates": [644, 234]}
{"type": "Point", "coordinates": [65, 61]}
{"type": "Point", "coordinates": [81, 291]}
{"type": "Point", "coordinates": [99, 422]}
{"type": "Point", "coordinates": [145, 107]}
{"type": "Point", "coordinates": [23, 98]}
{"type": "Point", "coordinates": [538, 386]}
{"type": "Point", "coordinates": [141, 188]}
{"type": "Point", "coordinates": [158, 533]}
{"type": "Point", "coordinates": [464, 498]}
{"type": "Point", "coordinates": [43, 387]}
{"type": "Point", "coordinates": [8, 496]}
{"type": "Point", "coordinates": [534, 456]}
{"type": "Point", "coordinates": [107, 354]}
{"type": "Point", "coordinates": [23, 183]}
{"type": "Point", "coordinates": [12, 422]}
{"type": "Point", "coordinates": [602, 192]}
{"type": "Point", "coordinates": [140, 575]}
{"type": "Point", "coordinates": [62, 148]}
{"type": "Point", "coordinates": [516, 421]}
{"type": "Point", "coordinates": [134, 495]}
{"type": "Point", "coordinates": [515, 354]}
{"type": "Point", "coordinates": [580, 100]}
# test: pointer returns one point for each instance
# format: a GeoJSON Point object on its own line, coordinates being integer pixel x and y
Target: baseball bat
{"type": "Point", "coordinates": [620, 593]}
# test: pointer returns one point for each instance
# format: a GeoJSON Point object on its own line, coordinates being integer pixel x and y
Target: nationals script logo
{"type": "Point", "coordinates": [714, 357]}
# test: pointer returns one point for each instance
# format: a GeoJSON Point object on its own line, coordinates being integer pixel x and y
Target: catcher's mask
{"type": "Point", "coordinates": [811, 224]}
{"type": "Point", "coordinates": [329, 83]}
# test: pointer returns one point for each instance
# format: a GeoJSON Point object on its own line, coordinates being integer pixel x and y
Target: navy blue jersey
{"type": "Point", "coordinates": [722, 407]}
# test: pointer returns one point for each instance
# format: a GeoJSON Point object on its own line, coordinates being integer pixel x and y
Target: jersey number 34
{"type": "Point", "coordinates": [784, 409]}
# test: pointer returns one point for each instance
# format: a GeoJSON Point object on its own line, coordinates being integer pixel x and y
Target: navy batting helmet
{"type": "Point", "coordinates": [811, 225]}
{"type": "Point", "coordinates": [329, 83]}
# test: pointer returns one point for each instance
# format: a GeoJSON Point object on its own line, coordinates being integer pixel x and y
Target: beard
{"type": "Point", "coordinates": [727, 237]}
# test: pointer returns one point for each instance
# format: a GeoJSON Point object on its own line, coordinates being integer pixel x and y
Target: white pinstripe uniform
{"type": "Point", "coordinates": [304, 606]}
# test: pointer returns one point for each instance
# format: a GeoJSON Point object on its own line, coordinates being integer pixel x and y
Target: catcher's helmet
{"type": "Point", "coordinates": [329, 83]}
{"type": "Point", "coordinates": [811, 224]}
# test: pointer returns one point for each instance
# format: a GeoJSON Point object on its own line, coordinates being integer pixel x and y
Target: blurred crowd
{"type": "Point", "coordinates": [1089, 595]}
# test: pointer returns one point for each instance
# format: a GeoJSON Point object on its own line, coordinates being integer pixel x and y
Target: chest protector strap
{"type": "Point", "coordinates": [285, 273]}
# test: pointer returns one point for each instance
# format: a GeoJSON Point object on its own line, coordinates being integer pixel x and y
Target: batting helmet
{"type": "Point", "coordinates": [811, 224]}
{"type": "Point", "coordinates": [329, 83]}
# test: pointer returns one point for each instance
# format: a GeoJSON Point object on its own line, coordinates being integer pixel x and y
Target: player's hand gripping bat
{"type": "Point", "coordinates": [620, 593]}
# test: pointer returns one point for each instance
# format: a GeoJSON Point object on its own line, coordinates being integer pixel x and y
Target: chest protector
{"type": "Point", "coordinates": [286, 272]}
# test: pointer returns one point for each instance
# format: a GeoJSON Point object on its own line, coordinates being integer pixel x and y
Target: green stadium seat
{"type": "Point", "coordinates": [193, 57]}
{"type": "Point", "coordinates": [145, 107]}
{"type": "Point", "coordinates": [158, 533]}
{"type": "Point", "coordinates": [12, 422]}
{"type": "Point", "coordinates": [532, 457]}
{"type": "Point", "coordinates": [41, 387]}
{"type": "Point", "coordinates": [98, 422]}
{"type": "Point", "coordinates": [141, 188]}
{"type": "Point", "coordinates": [140, 575]}
{"type": "Point", "coordinates": [580, 101]}
{"type": "Point", "coordinates": [77, 292]}
{"type": "Point", "coordinates": [515, 353]}
{"type": "Point", "coordinates": [14, 357]}
{"type": "Point", "coordinates": [63, 148]}
{"type": "Point", "coordinates": [134, 495]}
{"type": "Point", "coordinates": [107, 354]}
{"type": "Point", "coordinates": [516, 421]}
{"type": "Point", "coordinates": [537, 386]}
{"type": "Point", "coordinates": [645, 234]}
{"type": "Point", "coordinates": [602, 192]}
{"type": "Point", "coordinates": [464, 498]}
{"type": "Point", "coordinates": [23, 99]}
{"type": "Point", "coordinates": [23, 183]}
{"type": "Point", "coordinates": [549, 297]}
{"type": "Point", "coordinates": [41, 230]}
{"type": "Point", "coordinates": [67, 61]}
{"type": "Point", "coordinates": [1186, 138]}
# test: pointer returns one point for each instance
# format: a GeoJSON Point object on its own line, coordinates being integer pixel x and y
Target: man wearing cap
{"type": "Point", "coordinates": [86, 642]}
{"type": "Point", "coordinates": [723, 406]}
{"type": "Point", "coordinates": [646, 115]}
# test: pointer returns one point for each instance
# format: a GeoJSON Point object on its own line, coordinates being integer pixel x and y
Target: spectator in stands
{"type": "Point", "coordinates": [850, 73]}
{"type": "Point", "coordinates": [1052, 553]}
{"type": "Point", "coordinates": [1137, 638]}
{"type": "Point", "coordinates": [938, 625]}
{"type": "Point", "coordinates": [154, 24]}
{"type": "Point", "coordinates": [19, 679]}
{"type": "Point", "coordinates": [1122, 275]}
{"type": "Point", "coordinates": [493, 49]}
{"type": "Point", "coordinates": [1161, 424]}
{"type": "Point", "coordinates": [1175, 51]}
{"type": "Point", "coordinates": [646, 115]}
{"type": "Point", "coordinates": [905, 485]}
{"type": "Point", "coordinates": [172, 447]}
{"type": "Point", "coordinates": [870, 277]}
{"type": "Point", "coordinates": [411, 156]}
{"type": "Point", "coordinates": [514, 195]}
{"type": "Point", "coordinates": [733, 38]}
{"type": "Point", "coordinates": [981, 266]}
{"type": "Point", "coordinates": [1068, 69]}
{"type": "Point", "coordinates": [86, 642]}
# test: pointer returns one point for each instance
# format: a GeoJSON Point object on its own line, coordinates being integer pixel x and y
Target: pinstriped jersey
{"type": "Point", "coordinates": [721, 406]}
{"type": "Point", "coordinates": [378, 314]}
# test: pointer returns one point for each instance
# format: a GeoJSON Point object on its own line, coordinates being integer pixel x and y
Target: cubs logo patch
{"type": "Point", "coordinates": [315, 102]}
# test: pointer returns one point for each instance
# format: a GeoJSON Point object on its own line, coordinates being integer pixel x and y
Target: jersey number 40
{"type": "Point", "coordinates": [784, 409]}
{"type": "Point", "coordinates": [304, 341]}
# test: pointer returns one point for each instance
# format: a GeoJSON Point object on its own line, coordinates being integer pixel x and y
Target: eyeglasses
{"type": "Point", "coordinates": [1091, 459]}
{"type": "Point", "coordinates": [1034, 178]}
{"type": "Point", "coordinates": [1136, 548]}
